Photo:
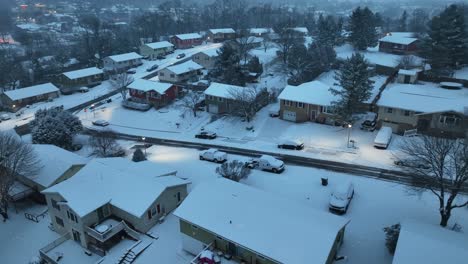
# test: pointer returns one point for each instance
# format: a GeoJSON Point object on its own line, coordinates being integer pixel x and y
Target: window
{"type": "Point", "coordinates": [72, 216]}
{"type": "Point", "coordinates": [149, 214]}
{"type": "Point", "coordinates": [194, 227]}
{"type": "Point", "coordinates": [172, 75]}
{"type": "Point", "coordinates": [59, 221]}
{"type": "Point", "coordinates": [287, 103]}
{"type": "Point", "coordinates": [161, 73]}
{"type": "Point", "coordinates": [327, 109]}
{"type": "Point", "coordinates": [153, 211]}
{"type": "Point", "coordinates": [389, 110]}
{"type": "Point", "coordinates": [449, 119]}
{"type": "Point", "coordinates": [178, 196]}
{"type": "Point", "coordinates": [220, 99]}
{"type": "Point", "coordinates": [300, 105]}
{"type": "Point", "coordinates": [54, 204]}
{"type": "Point", "coordinates": [407, 113]}
{"type": "Point", "coordinates": [158, 208]}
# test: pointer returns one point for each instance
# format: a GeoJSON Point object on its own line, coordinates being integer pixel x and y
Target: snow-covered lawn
{"type": "Point", "coordinates": [265, 57]}
{"type": "Point", "coordinates": [461, 74]}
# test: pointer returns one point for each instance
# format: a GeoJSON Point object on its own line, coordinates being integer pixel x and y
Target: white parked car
{"type": "Point", "coordinates": [5, 117]}
{"type": "Point", "coordinates": [83, 89]}
{"type": "Point", "coordinates": [213, 155]}
{"type": "Point", "coordinates": [266, 162]}
{"type": "Point", "coordinates": [341, 197]}
{"type": "Point", "coordinates": [383, 138]}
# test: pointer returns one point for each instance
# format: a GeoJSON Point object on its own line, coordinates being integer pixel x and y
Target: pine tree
{"type": "Point", "coordinates": [418, 21]}
{"type": "Point", "coordinates": [403, 21]}
{"type": "Point", "coordinates": [362, 28]}
{"type": "Point", "coordinates": [228, 69]}
{"type": "Point", "coordinates": [354, 87]}
{"type": "Point", "coordinates": [328, 31]}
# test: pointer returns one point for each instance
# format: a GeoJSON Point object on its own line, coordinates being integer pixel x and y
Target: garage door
{"type": "Point", "coordinates": [392, 125]}
{"type": "Point", "coordinates": [213, 108]}
{"type": "Point", "coordinates": [289, 115]}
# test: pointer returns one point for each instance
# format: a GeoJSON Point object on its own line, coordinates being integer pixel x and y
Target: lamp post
{"type": "Point", "coordinates": [94, 112]}
{"type": "Point", "coordinates": [349, 133]}
{"type": "Point", "coordinates": [144, 145]}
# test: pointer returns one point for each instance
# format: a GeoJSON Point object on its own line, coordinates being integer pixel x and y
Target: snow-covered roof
{"type": "Point", "coordinates": [210, 52]}
{"type": "Point", "coordinates": [159, 45]}
{"type": "Point", "coordinates": [54, 162]}
{"type": "Point", "coordinates": [429, 244]}
{"type": "Point", "coordinates": [404, 38]}
{"type": "Point", "coordinates": [222, 30]}
{"type": "Point", "coordinates": [125, 57]}
{"type": "Point", "coordinates": [29, 26]}
{"type": "Point", "coordinates": [31, 91]}
{"type": "Point", "coordinates": [314, 92]}
{"type": "Point", "coordinates": [408, 72]}
{"type": "Point", "coordinates": [146, 86]}
{"type": "Point", "coordinates": [128, 185]}
{"type": "Point", "coordinates": [303, 30]}
{"type": "Point", "coordinates": [185, 67]}
{"type": "Point", "coordinates": [260, 30]}
{"type": "Point", "coordinates": [83, 73]}
{"type": "Point", "coordinates": [250, 40]}
{"type": "Point", "coordinates": [223, 90]}
{"type": "Point", "coordinates": [425, 98]}
{"type": "Point", "coordinates": [188, 36]}
{"type": "Point", "coordinates": [262, 222]}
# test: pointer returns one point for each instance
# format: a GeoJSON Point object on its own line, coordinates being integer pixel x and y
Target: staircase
{"type": "Point", "coordinates": [134, 251]}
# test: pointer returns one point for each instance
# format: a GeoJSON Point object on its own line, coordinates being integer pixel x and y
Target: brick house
{"type": "Point", "coordinates": [153, 50]}
{"type": "Point", "coordinates": [220, 34]}
{"type": "Point", "coordinates": [398, 43]}
{"type": "Point", "coordinates": [70, 81]}
{"type": "Point", "coordinates": [16, 99]}
{"type": "Point", "coordinates": [185, 41]}
{"type": "Point", "coordinates": [180, 72]}
{"type": "Point", "coordinates": [157, 94]}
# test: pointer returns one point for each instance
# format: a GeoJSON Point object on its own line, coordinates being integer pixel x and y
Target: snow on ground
{"type": "Point", "coordinates": [461, 74]}
{"type": "Point", "coordinates": [265, 57]}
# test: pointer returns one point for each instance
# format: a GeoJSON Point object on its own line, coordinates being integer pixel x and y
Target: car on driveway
{"type": "Point", "coordinates": [411, 164]}
{"type": "Point", "coordinates": [152, 68]}
{"type": "Point", "coordinates": [206, 135]}
{"type": "Point", "coordinates": [131, 71]}
{"type": "Point", "coordinates": [291, 144]}
{"type": "Point", "coordinates": [341, 198]}
{"type": "Point", "coordinates": [180, 56]}
{"type": "Point", "coordinates": [160, 57]}
{"type": "Point", "coordinates": [5, 117]}
{"type": "Point", "coordinates": [213, 155]}
{"type": "Point", "coordinates": [100, 122]}
{"type": "Point", "coordinates": [266, 163]}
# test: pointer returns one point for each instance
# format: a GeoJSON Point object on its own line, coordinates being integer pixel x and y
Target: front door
{"type": "Point", "coordinates": [100, 214]}
{"type": "Point", "coordinates": [313, 115]}
{"type": "Point", "coordinates": [407, 79]}
{"type": "Point", "coordinates": [76, 236]}
{"type": "Point", "coordinates": [232, 249]}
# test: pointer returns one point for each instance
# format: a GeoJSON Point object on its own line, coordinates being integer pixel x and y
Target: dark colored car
{"type": "Point", "coordinates": [291, 144]}
{"type": "Point", "coordinates": [160, 57]}
{"type": "Point", "coordinates": [100, 122]}
{"type": "Point", "coordinates": [368, 125]}
{"type": "Point", "coordinates": [180, 56]}
{"type": "Point", "coordinates": [131, 71]}
{"type": "Point", "coordinates": [206, 135]}
{"type": "Point", "coordinates": [411, 164]}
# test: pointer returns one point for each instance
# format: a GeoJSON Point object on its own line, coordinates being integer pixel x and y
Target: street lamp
{"type": "Point", "coordinates": [94, 112]}
{"type": "Point", "coordinates": [349, 133]}
{"type": "Point", "coordinates": [144, 146]}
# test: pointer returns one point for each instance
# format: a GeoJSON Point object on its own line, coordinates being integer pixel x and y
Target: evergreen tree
{"type": "Point", "coordinates": [362, 28]}
{"type": "Point", "coordinates": [402, 22]}
{"type": "Point", "coordinates": [354, 87]}
{"type": "Point", "coordinates": [228, 69]}
{"type": "Point", "coordinates": [445, 48]}
{"type": "Point", "coordinates": [418, 21]}
{"type": "Point", "coordinates": [254, 65]}
{"type": "Point", "coordinates": [328, 31]}
{"type": "Point", "coordinates": [138, 155]}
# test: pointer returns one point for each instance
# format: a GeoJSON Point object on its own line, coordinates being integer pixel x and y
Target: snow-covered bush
{"type": "Point", "coordinates": [234, 170]}
{"type": "Point", "coordinates": [138, 155]}
{"type": "Point", "coordinates": [391, 237]}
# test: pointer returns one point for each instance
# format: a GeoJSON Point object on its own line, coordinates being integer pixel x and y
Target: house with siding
{"type": "Point", "coordinates": [257, 227]}
{"type": "Point", "coordinates": [260, 32]}
{"type": "Point", "coordinates": [185, 71]}
{"type": "Point", "coordinates": [157, 94]}
{"type": "Point", "coordinates": [14, 100]}
{"type": "Point", "coordinates": [206, 58]}
{"type": "Point", "coordinates": [220, 34]}
{"type": "Point", "coordinates": [70, 81]}
{"type": "Point", "coordinates": [185, 41]}
{"type": "Point", "coordinates": [429, 243]}
{"type": "Point", "coordinates": [122, 62]}
{"type": "Point", "coordinates": [112, 198]}
{"type": "Point", "coordinates": [219, 97]}
{"type": "Point", "coordinates": [398, 43]}
{"type": "Point", "coordinates": [154, 49]}
{"type": "Point", "coordinates": [427, 107]}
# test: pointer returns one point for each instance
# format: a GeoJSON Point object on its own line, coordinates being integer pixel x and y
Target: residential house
{"type": "Point", "coordinates": [398, 43]}
{"type": "Point", "coordinates": [155, 49]}
{"type": "Point", "coordinates": [206, 58]}
{"type": "Point", "coordinates": [109, 199]}
{"type": "Point", "coordinates": [14, 100]}
{"type": "Point", "coordinates": [427, 107]}
{"type": "Point", "coordinates": [157, 94]}
{"type": "Point", "coordinates": [185, 41]}
{"type": "Point", "coordinates": [55, 165]}
{"type": "Point", "coordinates": [407, 76]}
{"type": "Point", "coordinates": [185, 71]}
{"type": "Point", "coordinates": [260, 32]}
{"type": "Point", "coordinates": [220, 34]}
{"type": "Point", "coordinates": [429, 243]}
{"type": "Point", "coordinates": [249, 42]}
{"type": "Point", "coordinates": [70, 81]}
{"type": "Point", "coordinates": [302, 31]}
{"type": "Point", "coordinates": [122, 62]}
{"type": "Point", "coordinates": [220, 98]}
{"type": "Point", "coordinates": [257, 227]}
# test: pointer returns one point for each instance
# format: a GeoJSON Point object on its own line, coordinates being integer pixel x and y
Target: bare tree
{"type": "Point", "coordinates": [104, 144]}
{"type": "Point", "coordinates": [245, 102]}
{"type": "Point", "coordinates": [244, 44]}
{"type": "Point", "coordinates": [16, 158]}
{"type": "Point", "coordinates": [121, 81]}
{"type": "Point", "coordinates": [406, 62]}
{"type": "Point", "coordinates": [266, 44]}
{"type": "Point", "coordinates": [445, 172]}
{"type": "Point", "coordinates": [287, 38]}
{"type": "Point", "coordinates": [234, 170]}
{"type": "Point", "coordinates": [191, 101]}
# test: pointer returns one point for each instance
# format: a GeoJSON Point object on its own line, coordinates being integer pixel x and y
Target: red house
{"type": "Point", "coordinates": [157, 94]}
{"type": "Point", "coordinates": [185, 41]}
{"type": "Point", "coordinates": [398, 43]}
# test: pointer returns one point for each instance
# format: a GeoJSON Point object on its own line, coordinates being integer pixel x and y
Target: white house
{"type": "Point", "coordinates": [180, 72]}
{"type": "Point", "coordinates": [122, 62]}
{"type": "Point", "coordinates": [154, 49]}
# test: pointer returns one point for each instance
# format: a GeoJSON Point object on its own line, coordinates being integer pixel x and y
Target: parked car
{"type": "Point", "coordinates": [5, 117]}
{"type": "Point", "coordinates": [83, 89]}
{"type": "Point", "coordinates": [213, 155]}
{"type": "Point", "coordinates": [341, 198]}
{"type": "Point", "coordinates": [267, 163]}
{"type": "Point", "coordinates": [206, 135]}
{"type": "Point", "coordinates": [368, 125]}
{"type": "Point", "coordinates": [152, 68]}
{"type": "Point", "coordinates": [291, 144]}
{"type": "Point", "coordinates": [411, 163]}
{"type": "Point", "coordinates": [131, 71]}
{"type": "Point", "coordinates": [160, 57]}
{"type": "Point", "coordinates": [383, 138]}
{"type": "Point", "coordinates": [100, 122]}
{"type": "Point", "coordinates": [180, 56]}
